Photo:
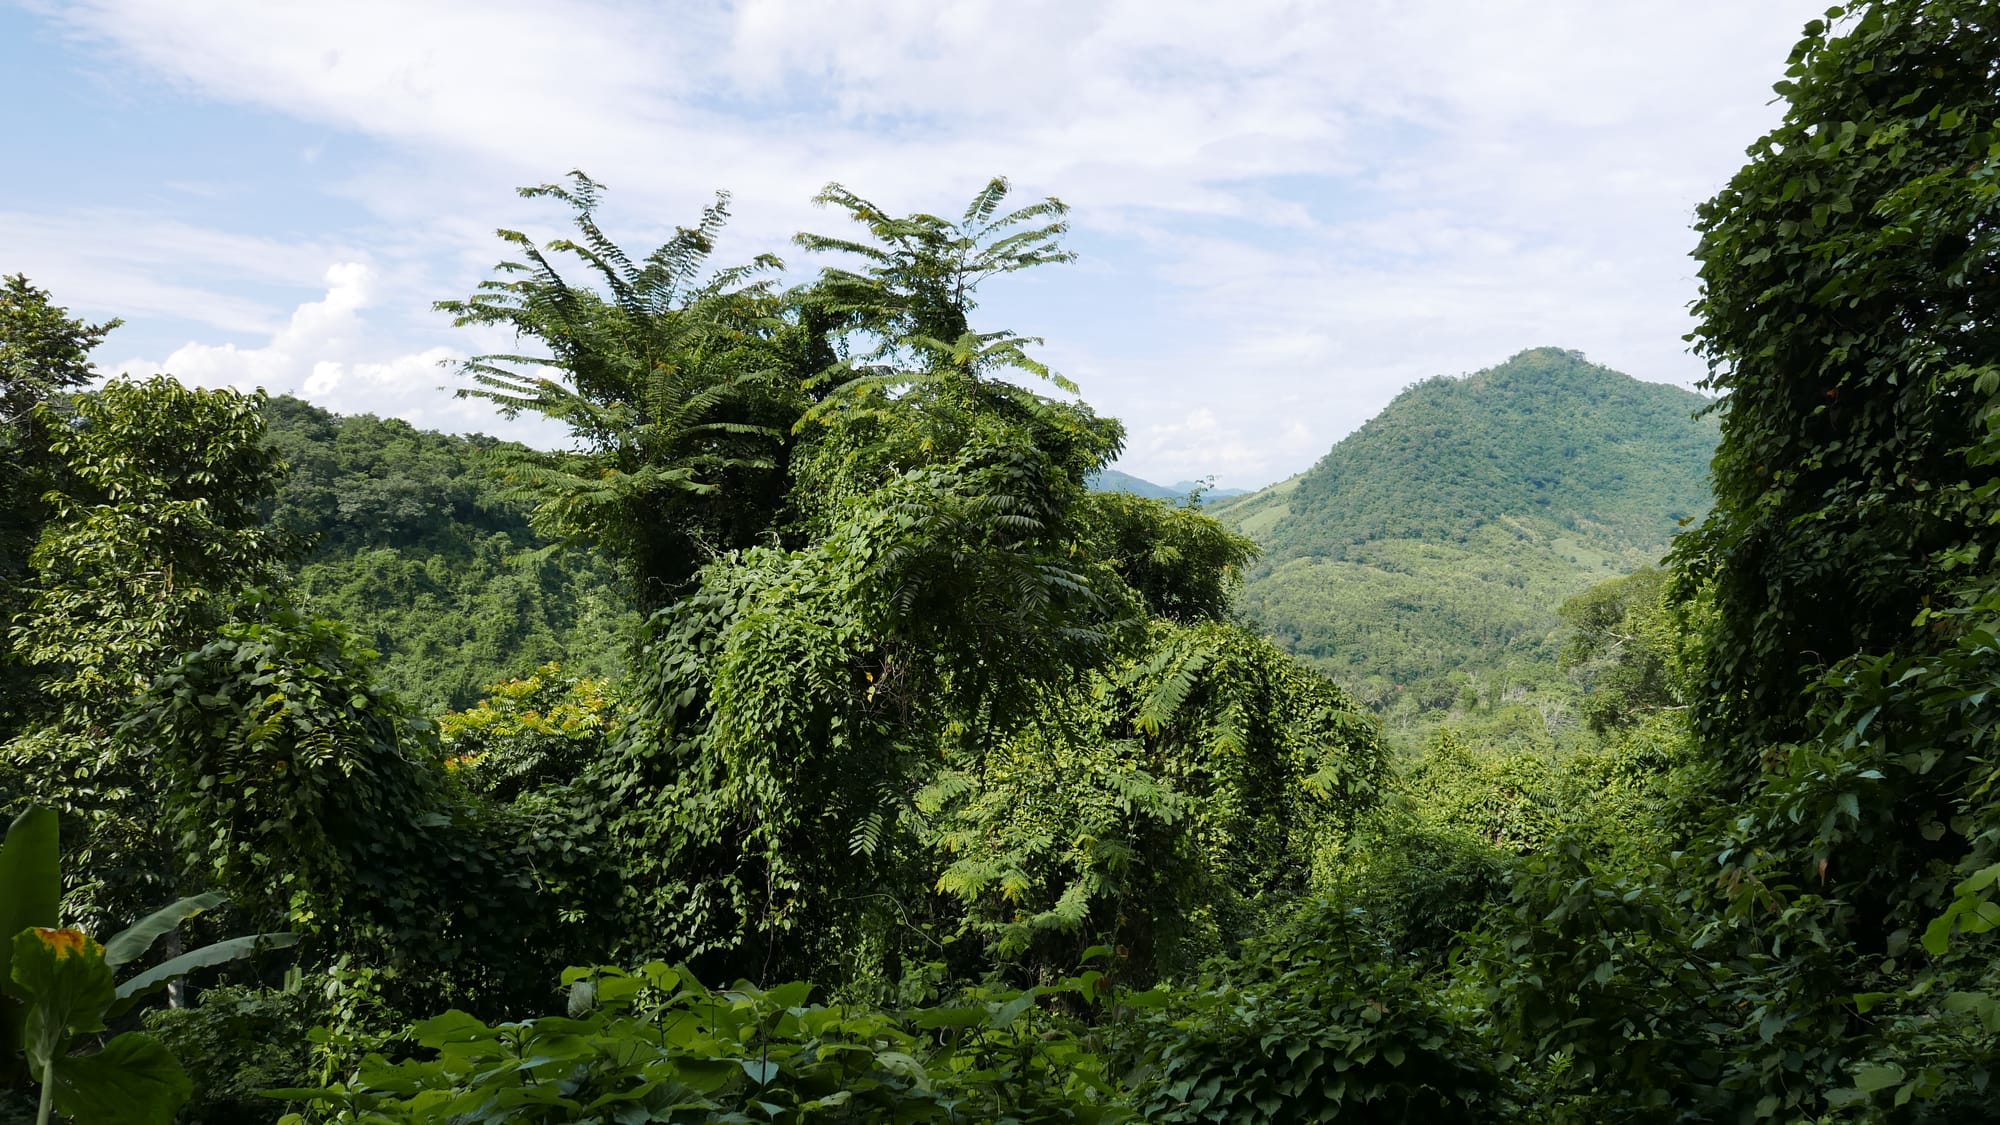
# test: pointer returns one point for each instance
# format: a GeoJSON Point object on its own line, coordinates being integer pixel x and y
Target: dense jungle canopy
{"type": "Point", "coordinates": [851, 758]}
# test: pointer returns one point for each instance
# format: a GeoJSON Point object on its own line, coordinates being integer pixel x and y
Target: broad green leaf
{"type": "Point", "coordinates": [1870, 1077]}
{"type": "Point", "coordinates": [1864, 1002]}
{"type": "Point", "coordinates": [1978, 880]}
{"type": "Point", "coordinates": [790, 995]}
{"type": "Point", "coordinates": [67, 985]}
{"type": "Point", "coordinates": [131, 943]}
{"type": "Point", "coordinates": [30, 880]}
{"type": "Point", "coordinates": [1005, 1015]}
{"type": "Point", "coordinates": [132, 1081]}
{"type": "Point", "coordinates": [235, 949]}
{"type": "Point", "coordinates": [453, 1026]}
{"type": "Point", "coordinates": [949, 1017]}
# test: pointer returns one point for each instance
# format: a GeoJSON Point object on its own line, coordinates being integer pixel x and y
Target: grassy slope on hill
{"type": "Point", "coordinates": [1422, 560]}
{"type": "Point", "coordinates": [413, 547]}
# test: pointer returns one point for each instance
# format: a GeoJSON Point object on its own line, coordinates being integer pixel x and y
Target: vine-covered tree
{"type": "Point", "coordinates": [1773, 968]}
{"type": "Point", "coordinates": [845, 745]}
{"type": "Point", "coordinates": [1850, 311]}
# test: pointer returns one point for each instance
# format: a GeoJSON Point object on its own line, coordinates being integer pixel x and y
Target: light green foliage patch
{"type": "Point", "coordinates": [655, 1045]}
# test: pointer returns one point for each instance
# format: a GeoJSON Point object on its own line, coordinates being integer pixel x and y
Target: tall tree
{"type": "Point", "coordinates": [920, 276]}
{"type": "Point", "coordinates": [1850, 312]}
{"type": "Point", "coordinates": [153, 532]}
{"type": "Point", "coordinates": [827, 737]}
{"type": "Point", "coordinates": [670, 378]}
{"type": "Point", "coordinates": [43, 352]}
{"type": "Point", "coordinates": [915, 383]}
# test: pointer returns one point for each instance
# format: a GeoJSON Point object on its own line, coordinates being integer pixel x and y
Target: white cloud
{"type": "Point", "coordinates": [1311, 205]}
{"type": "Point", "coordinates": [315, 329]}
{"type": "Point", "coordinates": [1199, 438]}
{"type": "Point", "coordinates": [135, 265]}
{"type": "Point", "coordinates": [322, 353]}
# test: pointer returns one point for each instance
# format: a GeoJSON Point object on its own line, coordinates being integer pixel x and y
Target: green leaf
{"type": "Point", "coordinates": [929, 1018]}
{"type": "Point", "coordinates": [452, 1027]}
{"type": "Point", "coordinates": [132, 942]}
{"type": "Point", "coordinates": [1979, 880]}
{"type": "Point", "coordinates": [235, 949]}
{"type": "Point", "coordinates": [63, 977]}
{"type": "Point", "coordinates": [132, 1081]}
{"type": "Point", "coordinates": [30, 880]}
{"type": "Point", "coordinates": [791, 995]}
{"type": "Point", "coordinates": [1870, 1077]}
{"type": "Point", "coordinates": [1864, 1002]}
{"type": "Point", "coordinates": [1937, 935]}
{"type": "Point", "coordinates": [1005, 1015]}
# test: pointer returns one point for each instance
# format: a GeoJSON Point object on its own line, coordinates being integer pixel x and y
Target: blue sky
{"type": "Point", "coordinates": [1286, 212]}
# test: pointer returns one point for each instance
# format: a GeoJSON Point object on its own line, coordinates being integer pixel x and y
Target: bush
{"type": "Point", "coordinates": [237, 1043]}
{"type": "Point", "coordinates": [1315, 1026]}
{"type": "Point", "coordinates": [654, 1045]}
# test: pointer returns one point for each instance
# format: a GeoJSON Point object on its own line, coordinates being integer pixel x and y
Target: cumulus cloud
{"type": "Point", "coordinates": [322, 353]}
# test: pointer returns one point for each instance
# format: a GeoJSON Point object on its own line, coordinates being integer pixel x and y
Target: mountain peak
{"type": "Point", "coordinates": [1441, 536]}
{"type": "Point", "coordinates": [1547, 434]}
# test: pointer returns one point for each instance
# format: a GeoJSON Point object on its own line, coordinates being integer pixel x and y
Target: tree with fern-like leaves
{"type": "Point", "coordinates": [678, 385]}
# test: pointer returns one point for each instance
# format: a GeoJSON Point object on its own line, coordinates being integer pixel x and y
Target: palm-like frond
{"type": "Point", "coordinates": [920, 273]}
{"type": "Point", "coordinates": [661, 368]}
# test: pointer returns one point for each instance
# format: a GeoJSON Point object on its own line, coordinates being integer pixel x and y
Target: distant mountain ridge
{"type": "Point", "coordinates": [1438, 539]}
{"type": "Point", "coordinates": [1111, 480]}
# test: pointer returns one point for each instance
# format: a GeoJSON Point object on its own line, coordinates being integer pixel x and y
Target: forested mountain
{"type": "Point", "coordinates": [407, 538]}
{"type": "Point", "coordinates": [1423, 558]}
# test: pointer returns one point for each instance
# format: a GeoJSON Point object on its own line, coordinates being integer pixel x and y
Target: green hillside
{"type": "Point", "coordinates": [409, 541]}
{"type": "Point", "coordinates": [1422, 560]}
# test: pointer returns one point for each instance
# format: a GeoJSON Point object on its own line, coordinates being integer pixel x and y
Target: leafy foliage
{"type": "Point", "coordinates": [654, 1045]}
{"type": "Point", "coordinates": [320, 805]}
{"type": "Point", "coordinates": [779, 704]}
{"type": "Point", "coordinates": [57, 991]}
{"type": "Point", "coordinates": [1182, 564]}
{"type": "Point", "coordinates": [1316, 1026]}
{"type": "Point", "coordinates": [1848, 312]}
{"type": "Point", "coordinates": [237, 1042]}
{"type": "Point", "coordinates": [531, 734]}
{"type": "Point", "coordinates": [1628, 647]}
{"type": "Point", "coordinates": [1773, 968]}
{"type": "Point", "coordinates": [415, 547]}
{"type": "Point", "coordinates": [43, 352]}
{"type": "Point", "coordinates": [1166, 806]}
{"type": "Point", "coordinates": [677, 387]}
{"type": "Point", "coordinates": [151, 533]}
